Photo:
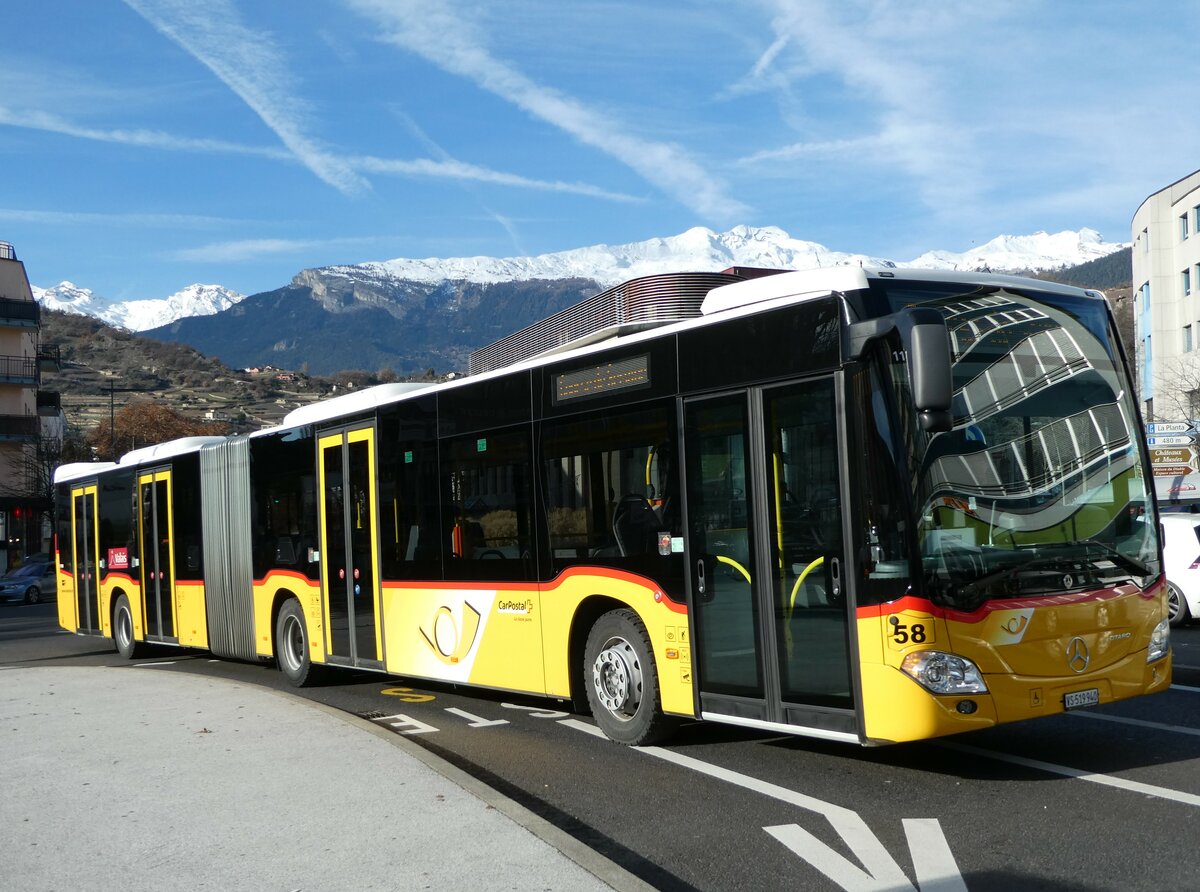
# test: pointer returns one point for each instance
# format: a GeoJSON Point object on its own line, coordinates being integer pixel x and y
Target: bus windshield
{"type": "Point", "coordinates": [1038, 489]}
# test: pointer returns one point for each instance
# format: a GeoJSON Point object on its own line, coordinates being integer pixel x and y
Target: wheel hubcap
{"type": "Point", "coordinates": [617, 678]}
{"type": "Point", "coordinates": [124, 628]}
{"type": "Point", "coordinates": [293, 643]}
{"type": "Point", "coordinates": [1173, 602]}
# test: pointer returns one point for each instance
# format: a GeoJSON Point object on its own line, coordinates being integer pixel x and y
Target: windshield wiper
{"type": "Point", "coordinates": [1108, 551]}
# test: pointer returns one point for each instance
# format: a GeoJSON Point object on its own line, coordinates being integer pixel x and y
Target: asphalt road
{"type": "Point", "coordinates": [1106, 798]}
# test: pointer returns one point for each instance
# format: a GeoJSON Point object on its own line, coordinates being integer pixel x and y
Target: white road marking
{"type": "Point", "coordinates": [1141, 723]}
{"type": "Point", "coordinates": [474, 721]}
{"type": "Point", "coordinates": [1183, 687]}
{"type": "Point", "coordinates": [401, 722]}
{"type": "Point", "coordinates": [932, 859]}
{"type": "Point", "coordinates": [937, 871]}
{"type": "Point", "coordinates": [160, 663]}
{"type": "Point", "coordinates": [1103, 779]}
{"type": "Point", "coordinates": [538, 712]}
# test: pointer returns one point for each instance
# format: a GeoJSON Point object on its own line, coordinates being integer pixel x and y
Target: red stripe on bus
{"type": "Point", "coordinates": [558, 581]}
{"type": "Point", "coordinates": [288, 573]}
{"type": "Point", "coordinates": [923, 605]}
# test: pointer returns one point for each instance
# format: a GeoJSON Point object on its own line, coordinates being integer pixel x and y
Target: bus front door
{"type": "Point", "coordinates": [349, 548]}
{"type": "Point", "coordinates": [156, 563]}
{"type": "Point", "coordinates": [764, 519]}
{"type": "Point", "coordinates": [85, 555]}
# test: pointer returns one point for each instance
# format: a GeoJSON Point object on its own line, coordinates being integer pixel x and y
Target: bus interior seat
{"type": "Point", "coordinates": [634, 524]}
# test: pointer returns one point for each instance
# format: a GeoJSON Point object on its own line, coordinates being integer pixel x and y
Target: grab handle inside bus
{"type": "Point", "coordinates": [926, 344]}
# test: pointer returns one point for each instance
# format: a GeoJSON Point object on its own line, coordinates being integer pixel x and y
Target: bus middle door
{"type": "Point", "coordinates": [767, 564]}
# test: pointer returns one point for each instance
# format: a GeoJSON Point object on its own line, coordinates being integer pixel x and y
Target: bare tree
{"type": "Point", "coordinates": [144, 423]}
{"type": "Point", "coordinates": [1177, 389]}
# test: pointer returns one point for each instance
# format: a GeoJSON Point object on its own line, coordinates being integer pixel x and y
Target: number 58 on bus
{"type": "Point", "coordinates": [861, 504]}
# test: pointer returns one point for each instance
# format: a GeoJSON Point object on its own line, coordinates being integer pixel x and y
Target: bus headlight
{"type": "Point", "coordinates": [944, 673]}
{"type": "Point", "coordinates": [1160, 641]}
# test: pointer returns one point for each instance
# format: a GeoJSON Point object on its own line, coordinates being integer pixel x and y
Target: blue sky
{"type": "Point", "coordinates": [149, 144]}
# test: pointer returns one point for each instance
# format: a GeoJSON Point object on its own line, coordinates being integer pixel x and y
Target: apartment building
{"type": "Point", "coordinates": [31, 420]}
{"type": "Point", "coordinates": [1166, 281]}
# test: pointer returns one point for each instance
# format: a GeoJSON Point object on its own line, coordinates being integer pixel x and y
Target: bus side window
{"type": "Point", "coordinates": [609, 485]}
{"type": "Point", "coordinates": [488, 488]}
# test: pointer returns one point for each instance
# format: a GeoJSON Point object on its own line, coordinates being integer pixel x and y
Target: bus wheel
{"type": "Point", "coordinates": [123, 629]}
{"type": "Point", "coordinates": [291, 644]}
{"type": "Point", "coordinates": [621, 680]}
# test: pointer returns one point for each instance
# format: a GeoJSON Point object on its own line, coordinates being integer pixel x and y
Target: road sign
{"type": "Point", "coordinates": [1171, 456]}
{"type": "Point", "coordinates": [1172, 470]}
{"type": "Point", "coordinates": [1169, 427]}
{"type": "Point", "coordinates": [1170, 441]}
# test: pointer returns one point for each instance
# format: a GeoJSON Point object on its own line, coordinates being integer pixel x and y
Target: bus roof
{"type": "Point", "coordinates": [81, 469]}
{"type": "Point", "coordinates": [819, 282]}
{"type": "Point", "coordinates": [350, 403]}
{"type": "Point", "coordinates": [170, 449]}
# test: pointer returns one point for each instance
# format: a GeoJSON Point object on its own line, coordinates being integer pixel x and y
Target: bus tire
{"type": "Point", "coordinates": [1177, 606]}
{"type": "Point", "coordinates": [622, 681]}
{"type": "Point", "coordinates": [122, 628]}
{"type": "Point", "coordinates": [291, 644]}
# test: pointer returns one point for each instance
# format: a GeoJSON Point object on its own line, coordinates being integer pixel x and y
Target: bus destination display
{"type": "Point", "coordinates": [609, 377]}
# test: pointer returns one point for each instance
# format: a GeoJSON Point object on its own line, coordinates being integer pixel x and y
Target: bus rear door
{"type": "Point", "coordinates": [85, 558]}
{"type": "Point", "coordinates": [767, 566]}
{"type": "Point", "coordinates": [349, 547]}
{"type": "Point", "coordinates": [157, 565]}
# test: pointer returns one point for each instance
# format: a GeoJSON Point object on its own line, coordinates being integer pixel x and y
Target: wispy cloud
{"type": "Point", "coordinates": [446, 38]}
{"type": "Point", "coordinates": [446, 168]}
{"type": "Point", "coordinates": [892, 86]}
{"type": "Point", "coordinates": [256, 249]}
{"type": "Point", "coordinates": [460, 170]}
{"type": "Point", "coordinates": [86, 218]}
{"type": "Point", "coordinates": [248, 63]}
{"type": "Point", "coordinates": [154, 139]}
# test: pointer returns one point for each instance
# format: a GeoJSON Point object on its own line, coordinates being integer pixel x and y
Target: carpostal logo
{"type": "Point", "coordinates": [446, 639]}
{"type": "Point", "coordinates": [522, 607]}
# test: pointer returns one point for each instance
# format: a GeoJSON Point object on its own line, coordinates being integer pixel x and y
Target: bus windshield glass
{"type": "Point", "coordinates": [1038, 489]}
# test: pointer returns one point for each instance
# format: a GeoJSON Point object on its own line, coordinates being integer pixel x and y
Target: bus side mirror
{"type": "Point", "coordinates": [926, 343]}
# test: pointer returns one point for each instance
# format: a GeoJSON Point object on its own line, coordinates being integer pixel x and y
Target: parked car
{"type": "Point", "coordinates": [30, 583]}
{"type": "Point", "coordinates": [1181, 560]}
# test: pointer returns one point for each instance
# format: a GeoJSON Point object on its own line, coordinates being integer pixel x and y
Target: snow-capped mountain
{"type": "Point", "coordinates": [696, 250]}
{"type": "Point", "coordinates": [701, 249]}
{"type": "Point", "coordinates": [138, 315]}
{"type": "Point", "coordinates": [1040, 251]}
{"type": "Point", "coordinates": [414, 315]}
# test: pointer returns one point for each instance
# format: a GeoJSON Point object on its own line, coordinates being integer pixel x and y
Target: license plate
{"type": "Point", "coordinates": [1077, 699]}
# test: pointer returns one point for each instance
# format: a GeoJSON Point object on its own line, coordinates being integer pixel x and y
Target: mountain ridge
{"type": "Point", "coordinates": [696, 249]}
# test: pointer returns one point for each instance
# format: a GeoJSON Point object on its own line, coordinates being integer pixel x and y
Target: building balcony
{"type": "Point", "coordinates": [49, 402]}
{"type": "Point", "coordinates": [21, 370]}
{"type": "Point", "coordinates": [49, 358]}
{"type": "Point", "coordinates": [20, 313]}
{"type": "Point", "coordinates": [19, 428]}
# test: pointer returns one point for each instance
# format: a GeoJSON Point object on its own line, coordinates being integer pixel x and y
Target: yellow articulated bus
{"type": "Point", "coordinates": [861, 504]}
